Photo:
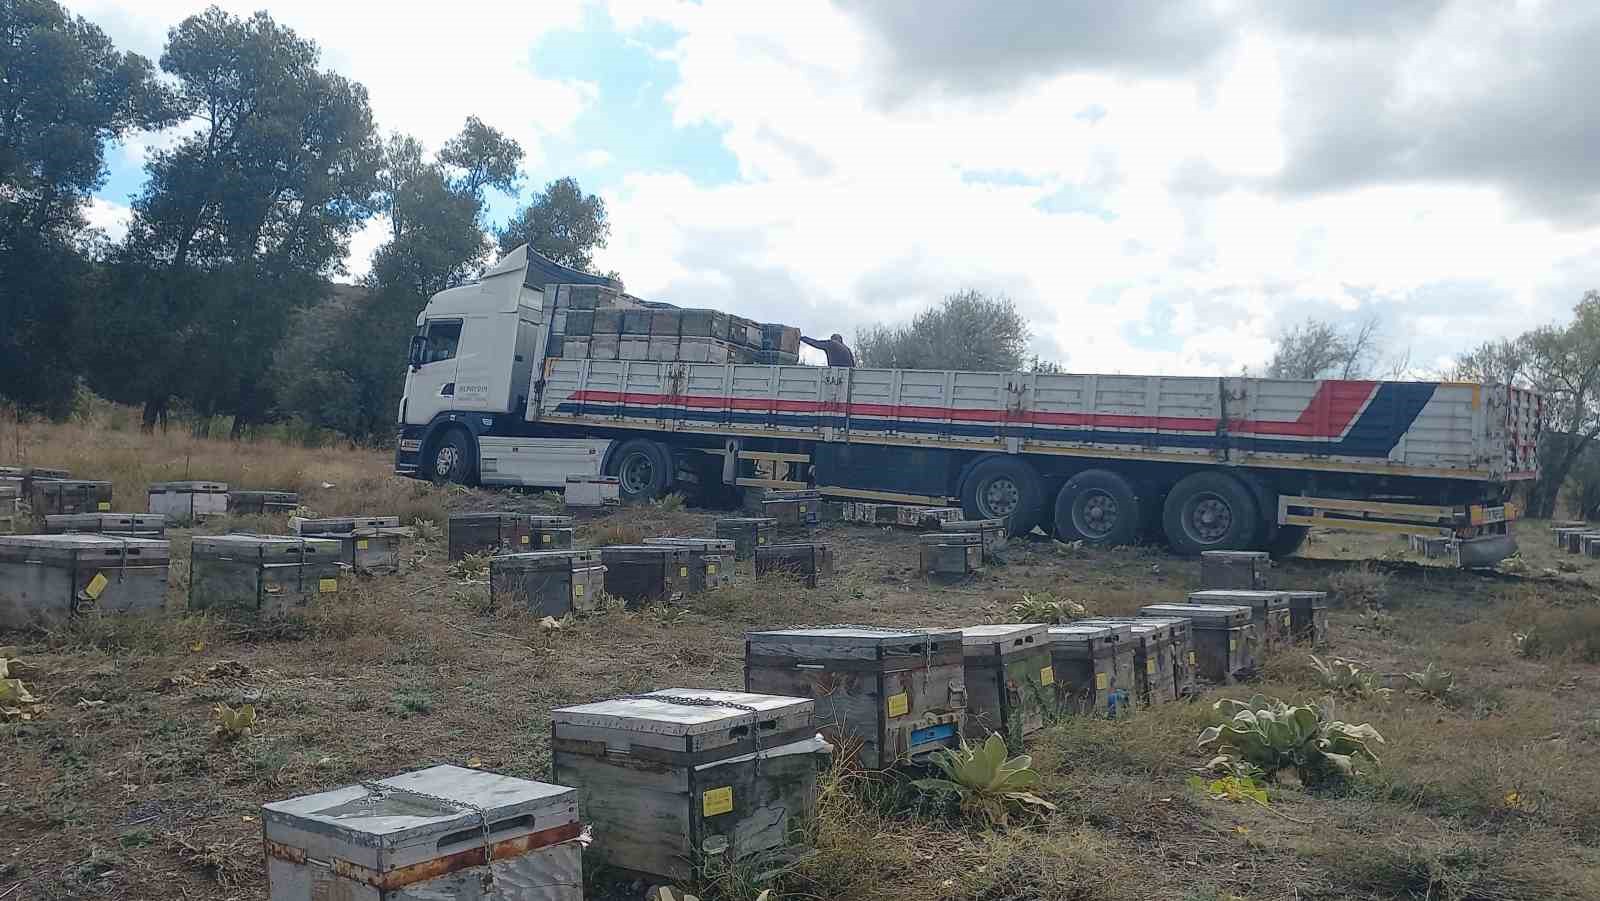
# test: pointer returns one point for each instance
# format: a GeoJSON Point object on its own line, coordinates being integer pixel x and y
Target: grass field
{"type": "Point", "coordinates": [118, 790]}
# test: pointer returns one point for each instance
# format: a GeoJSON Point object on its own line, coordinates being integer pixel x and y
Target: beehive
{"type": "Point", "coordinates": [1153, 676]}
{"type": "Point", "coordinates": [747, 533]}
{"type": "Point", "coordinates": [926, 517]}
{"type": "Point", "coordinates": [1223, 637]}
{"type": "Point", "coordinates": [58, 496]}
{"type": "Point", "coordinates": [793, 511]}
{"type": "Point", "coordinates": [1182, 651]}
{"type": "Point", "coordinates": [1308, 617]}
{"type": "Point", "coordinates": [367, 543]}
{"type": "Point", "coordinates": [302, 525]}
{"type": "Point", "coordinates": [898, 693]}
{"type": "Point", "coordinates": [263, 577]}
{"type": "Point", "coordinates": [28, 475]}
{"type": "Point", "coordinates": [992, 532]}
{"type": "Point", "coordinates": [1268, 609]}
{"type": "Point", "coordinates": [1573, 540]}
{"type": "Point", "coordinates": [259, 502]}
{"type": "Point", "coordinates": [1084, 661]}
{"type": "Point", "coordinates": [1234, 569]}
{"type": "Point", "coordinates": [593, 491]}
{"type": "Point", "coordinates": [10, 500]}
{"type": "Point", "coordinates": [641, 573]}
{"type": "Point", "coordinates": [872, 514]}
{"type": "Point", "coordinates": [950, 554]}
{"type": "Point", "coordinates": [187, 502]}
{"type": "Point", "coordinates": [716, 557]}
{"type": "Point", "coordinates": [136, 525]}
{"type": "Point", "coordinates": [682, 777]}
{"type": "Point", "coordinates": [421, 836]}
{"type": "Point", "coordinates": [47, 579]}
{"type": "Point", "coordinates": [1010, 679]}
{"type": "Point", "coordinates": [488, 533]}
{"type": "Point", "coordinates": [548, 583]}
{"type": "Point", "coordinates": [811, 563]}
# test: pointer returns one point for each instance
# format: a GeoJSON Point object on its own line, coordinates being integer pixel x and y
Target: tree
{"type": "Point", "coordinates": [66, 91]}
{"type": "Point", "coordinates": [242, 222]}
{"type": "Point", "coordinates": [968, 330]}
{"type": "Point", "coordinates": [1315, 349]}
{"type": "Point", "coordinates": [562, 223]}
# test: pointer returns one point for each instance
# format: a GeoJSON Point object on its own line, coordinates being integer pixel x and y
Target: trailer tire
{"type": "Point", "coordinates": [1210, 511]}
{"type": "Point", "coordinates": [1286, 541]}
{"type": "Point", "coordinates": [644, 468]}
{"type": "Point", "coordinates": [453, 458]}
{"type": "Point", "coordinates": [1100, 508]}
{"type": "Point", "coordinates": [1004, 488]}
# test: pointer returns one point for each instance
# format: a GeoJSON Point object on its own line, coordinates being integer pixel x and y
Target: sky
{"type": "Point", "coordinates": [1161, 187]}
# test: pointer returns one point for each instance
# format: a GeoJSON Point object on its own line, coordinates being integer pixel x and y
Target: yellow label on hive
{"type": "Point", "coordinates": [545, 538]}
{"type": "Point", "coordinates": [525, 540]}
{"type": "Point", "coordinates": [761, 539]}
{"type": "Point", "coordinates": [683, 572]}
{"type": "Point", "coordinates": [1047, 676]}
{"type": "Point", "coordinates": [711, 569]}
{"type": "Point", "coordinates": [717, 801]}
{"type": "Point", "coordinates": [95, 586]}
{"type": "Point", "coordinates": [1150, 667]}
{"type": "Point", "coordinates": [900, 704]}
{"type": "Point", "coordinates": [1101, 683]}
{"type": "Point", "coordinates": [577, 590]}
{"type": "Point", "coordinates": [1233, 644]}
{"type": "Point", "coordinates": [328, 586]}
{"type": "Point", "coordinates": [1191, 658]}
{"type": "Point", "coordinates": [361, 544]}
{"type": "Point", "coordinates": [103, 506]}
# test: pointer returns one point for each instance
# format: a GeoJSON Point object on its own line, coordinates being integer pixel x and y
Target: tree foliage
{"type": "Point", "coordinates": [1315, 349]}
{"type": "Point", "coordinates": [562, 223]}
{"type": "Point", "coordinates": [967, 330]}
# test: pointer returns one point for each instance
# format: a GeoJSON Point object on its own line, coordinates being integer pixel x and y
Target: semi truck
{"type": "Point", "coordinates": [1202, 463]}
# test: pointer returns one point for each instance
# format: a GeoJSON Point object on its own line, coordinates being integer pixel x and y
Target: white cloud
{"type": "Point", "coordinates": [107, 217]}
{"type": "Point", "coordinates": [363, 244]}
{"type": "Point", "coordinates": [594, 159]}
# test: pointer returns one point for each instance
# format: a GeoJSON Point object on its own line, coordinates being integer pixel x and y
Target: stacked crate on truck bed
{"type": "Point", "coordinates": [596, 322]}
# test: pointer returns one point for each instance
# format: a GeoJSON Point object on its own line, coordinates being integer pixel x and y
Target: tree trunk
{"type": "Point", "coordinates": [155, 410]}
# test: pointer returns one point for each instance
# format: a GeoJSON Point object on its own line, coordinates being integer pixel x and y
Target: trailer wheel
{"type": "Point", "coordinates": [1210, 511]}
{"type": "Point", "coordinates": [1287, 541]}
{"type": "Point", "coordinates": [1098, 507]}
{"type": "Point", "coordinates": [453, 458]}
{"type": "Point", "coordinates": [644, 469]}
{"type": "Point", "coordinates": [1004, 488]}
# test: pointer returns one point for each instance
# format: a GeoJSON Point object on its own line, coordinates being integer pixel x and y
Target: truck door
{"type": "Point", "coordinates": [433, 383]}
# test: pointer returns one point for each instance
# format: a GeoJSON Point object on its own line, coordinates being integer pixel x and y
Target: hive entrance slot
{"type": "Point", "coordinates": [474, 836]}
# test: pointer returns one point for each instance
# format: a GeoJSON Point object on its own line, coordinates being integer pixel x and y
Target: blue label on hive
{"type": "Point", "coordinates": [933, 733]}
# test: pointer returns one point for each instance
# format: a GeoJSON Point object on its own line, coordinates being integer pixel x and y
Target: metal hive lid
{"type": "Point", "coordinates": [1236, 556]}
{"type": "Point", "coordinates": [190, 487]}
{"type": "Point", "coordinates": [1153, 627]}
{"type": "Point", "coordinates": [747, 520]}
{"type": "Point", "coordinates": [850, 636]}
{"type": "Point", "coordinates": [1006, 636]}
{"type": "Point", "coordinates": [92, 541]}
{"type": "Point", "coordinates": [1078, 633]}
{"type": "Point", "coordinates": [706, 545]}
{"type": "Point", "coordinates": [1175, 623]}
{"type": "Point", "coordinates": [1229, 597]}
{"type": "Point", "coordinates": [657, 712]}
{"type": "Point", "coordinates": [1210, 613]}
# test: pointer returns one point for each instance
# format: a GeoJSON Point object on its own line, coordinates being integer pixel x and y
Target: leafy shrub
{"type": "Point", "coordinates": [671, 502]}
{"type": "Point", "coordinates": [1360, 586]}
{"type": "Point", "coordinates": [1277, 737]}
{"type": "Point", "coordinates": [233, 723]}
{"type": "Point", "coordinates": [1046, 608]}
{"type": "Point", "coordinates": [616, 533]}
{"type": "Point", "coordinates": [1345, 678]}
{"type": "Point", "coordinates": [1432, 682]}
{"type": "Point", "coordinates": [988, 784]}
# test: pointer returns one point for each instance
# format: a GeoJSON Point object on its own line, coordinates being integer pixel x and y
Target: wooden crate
{"type": "Point", "coordinates": [1234, 569]}
{"type": "Point", "coordinates": [58, 496]}
{"type": "Point", "coordinates": [488, 533]}
{"type": "Point", "coordinates": [950, 554]}
{"type": "Point", "coordinates": [872, 514]}
{"type": "Point", "coordinates": [1154, 678]}
{"type": "Point", "coordinates": [135, 525]}
{"type": "Point", "coordinates": [265, 577]}
{"type": "Point", "coordinates": [810, 562]}
{"type": "Point", "coordinates": [1268, 609]}
{"type": "Point", "coordinates": [187, 502]}
{"type": "Point", "coordinates": [47, 579]}
{"type": "Point", "coordinates": [1308, 617]}
{"type": "Point", "coordinates": [926, 517]}
{"type": "Point", "coordinates": [1084, 661]}
{"type": "Point", "coordinates": [547, 583]}
{"type": "Point", "coordinates": [1223, 638]}
{"type": "Point", "coordinates": [679, 777]}
{"type": "Point", "coordinates": [747, 533]}
{"type": "Point", "coordinates": [1181, 650]}
{"type": "Point", "coordinates": [262, 502]}
{"type": "Point", "coordinates": [716, 557]}
{"type": "Point", "coordinates": [1009, 677]}
{"type": "Point", "coordinates": [420, 835]}
{"type": "Point", "coordinates": [993, 532]}
{"type": "Point", "coordinates": [895, 694]}
{"type": "Point", "coordinates": [301, 525]}
{"type": "Point", "coordinates": [641, 573]}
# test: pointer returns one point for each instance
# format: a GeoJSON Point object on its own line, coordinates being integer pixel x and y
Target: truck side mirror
{"type": "Point", "coordinates": [418, 353]}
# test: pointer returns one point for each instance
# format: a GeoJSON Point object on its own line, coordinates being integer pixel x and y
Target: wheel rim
{"type": "Point", "coordinates": [1000, 498]}
{"type": "Point", "coordinates": [638, 473]}
{"type": "Point", "coordinates": [1095, 514]}
{"type": "Point", "coordinates": [1207, 518]}
{"type": "Point", "coordinates": [445, 462]}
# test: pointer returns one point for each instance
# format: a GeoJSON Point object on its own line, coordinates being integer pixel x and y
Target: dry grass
{"type": "Point", "coordinates": [1493, 796]}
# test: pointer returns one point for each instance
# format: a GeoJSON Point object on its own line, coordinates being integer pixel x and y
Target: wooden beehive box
{"type": "Point", "coordinates": [1154, 679]}
{"type": "Point", "coordinates": [895, 693]}
{"type": "Point", "coordinates": [1268, 609]}
{"type": "Point", "coordinates": [487, 533]}
{"type": "Point", "coordinates": [302, 525]}
{"type": "Point", "coordinates": [420, 836]}
{"type": "Point", "coordinates": [134, 525]}
{"type": "Point", "coordinates": [31, 474]}
{"type": "Point", "coordinates": [10, 501]}
{"type": "Point", "coordinates": [641, 573]}
{"type": "Point", "coordinates": [262, 502]}
{"type": "Point", "coordinates": [47, 579]}
{"type": "Point", "coordinates": [183, 503]}
{"type": "Point", "coordinates": [547, 583]}
{"type": "Point", "coordinates": [59, 496]}
{"type": "Point", "coordinates": [716, 557]}
{"type": "Point", "coordinates": [1308, 617]}
{"type": "Point", "coordinates": [1084, 661]}
{"type": "Point", "coordinates": [1010, 679]}
{"type": "Point", "coordinates": [950, 555]}
{"type": "Point", "coordinates": [991, 531]}
{"type": "Point", "coordinates": [682, 777]}
{"type": "Point", "coordinates": [1560, 533]}
{"type": "Point", "coordinates": [872, 514]}
{"type": "Point", "coordinates": [747, 533]}
{"type": "Point", "coordinates": [264, 577]}
{"type": "Point", "coordinates": [926, 517]}
{"type": "Point", "coordinates": [1182, 652]}
{"type": "Point", "coordinates": [1223, 637]}
{"type": "Point", "coordinates": [811, 563]}
{"type": "Point", "coordinates": [1235, 569]}
{"type": "Point", "coordinates": [793, 511]}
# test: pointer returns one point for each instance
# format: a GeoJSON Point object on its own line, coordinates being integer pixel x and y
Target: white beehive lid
{"type": "Point", "coordinates": [1076, 633]}
{"type": "Point", "coordinates": [1198, 614]}
{"type": "Point", "coordinates": [1005, 638]}
{"type": "Point", "coordinates": [1238, 597]}
{"type": "Point", "coordinates": [1154, 628]}
{"type": "Point", "coordinates": [87, 547]}
{"type": "Point", "coordinates": [657, 712]}
{"type": "Point", "coordinates": [1236, 556]}
{"type": "Point", "coordinates": [188, 487]}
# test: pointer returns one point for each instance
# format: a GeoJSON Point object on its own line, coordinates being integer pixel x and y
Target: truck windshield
{"type": "Point", "coordinates": [443, 336]}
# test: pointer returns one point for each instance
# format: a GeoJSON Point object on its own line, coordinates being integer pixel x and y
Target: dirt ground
{"type": "Point", "coordinates": [119, 790]}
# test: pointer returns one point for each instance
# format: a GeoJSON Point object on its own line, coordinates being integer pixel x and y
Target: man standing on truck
{"type": "Point", "coordinates": [838, 352]}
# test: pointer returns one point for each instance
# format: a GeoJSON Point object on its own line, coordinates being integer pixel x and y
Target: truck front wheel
{"type": "Point", "coordinates": [1210, 511]}
{"type": "Point", "coordinates": [1004, 488]}
{"type": "Point", "coordinates": [1098, 507]}
{"type": "Point", "coordinates": [452, 459]}
{"type": "Point", "coordinates": [644, 469]}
